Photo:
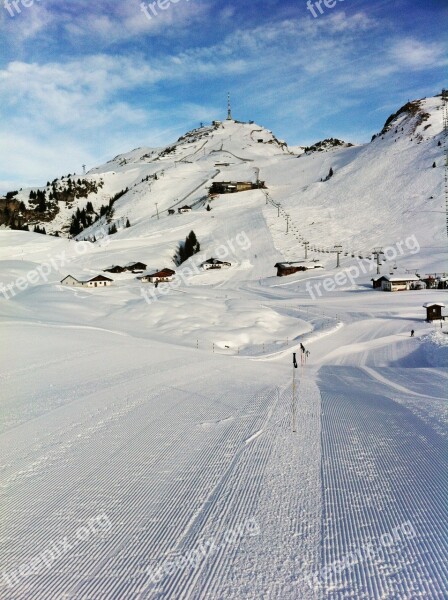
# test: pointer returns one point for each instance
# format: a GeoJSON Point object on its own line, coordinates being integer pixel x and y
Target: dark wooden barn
{"type": "Point", "coordinates": [284, 269]}
{"type": "Point", "coordinates": [434, 311]}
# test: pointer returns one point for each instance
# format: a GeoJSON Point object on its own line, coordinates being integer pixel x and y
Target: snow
{"type": "Point", "coordinates": [169, 411]}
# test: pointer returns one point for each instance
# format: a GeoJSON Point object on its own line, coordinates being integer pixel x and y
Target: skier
{"type": "Point", "coordinates": [302, 354]}
{"type": "Point", "coordinates": [412, 333]}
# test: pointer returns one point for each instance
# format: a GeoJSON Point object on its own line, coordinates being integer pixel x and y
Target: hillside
{"type": "Point", "coordinates": [379, 191]}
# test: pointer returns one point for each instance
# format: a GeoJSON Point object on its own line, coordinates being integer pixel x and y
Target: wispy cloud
{"type": "Point", "coordinates": [121, 80]}
{"type": "Point", "coordinates": [416, 54]}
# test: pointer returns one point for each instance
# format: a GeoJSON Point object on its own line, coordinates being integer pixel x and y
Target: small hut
{"type": "Point", "coordinates": [434, 311]}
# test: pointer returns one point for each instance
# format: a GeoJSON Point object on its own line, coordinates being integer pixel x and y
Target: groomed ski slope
{"type": "Point", "coordinates": [172, 419]}
{"type": "Point", "coordinates": [182, 447]}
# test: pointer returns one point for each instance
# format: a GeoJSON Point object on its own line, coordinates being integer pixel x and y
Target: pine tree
{"type": "Point", "coordinates": [42, 204]}
{"type": "Point", "coordinates": [190, 247]}
{"type": "Point", "coordinates": [434, 165]}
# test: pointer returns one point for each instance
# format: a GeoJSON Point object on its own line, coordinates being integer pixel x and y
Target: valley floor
{"type": "Point", "coordinates": [137, 469]}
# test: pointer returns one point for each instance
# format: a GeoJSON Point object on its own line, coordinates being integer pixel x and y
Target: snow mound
{"type": "Point", "coordinates": [436, 348]}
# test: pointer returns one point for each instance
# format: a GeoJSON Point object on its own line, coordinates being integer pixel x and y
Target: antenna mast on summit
{"type": "Point", "coordinates": [229, 108]}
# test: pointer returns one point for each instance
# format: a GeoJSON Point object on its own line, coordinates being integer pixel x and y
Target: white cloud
{"type": "Point", "coordinates": [302, 70]}
{"type": "Point", "coordinates": [415, 54]}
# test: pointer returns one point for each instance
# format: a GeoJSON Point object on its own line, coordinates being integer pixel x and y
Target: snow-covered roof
{"type": "Point", "coordinates": [98, 278]}
{"type": "Point", "coordinates": [290, 264]}
{"type": "Point", "coordinates": [214, 261]}
{"type": "Point", "coordinates": [70, 277]}
{"type": "Point", "coordinates": [429, 304]}
{"type": "Point", "coordinates": [134, 262]}
{"type": "Point", "coordinates": [159, 273]}
{"type": "Point", "coordinates": [395, 278]}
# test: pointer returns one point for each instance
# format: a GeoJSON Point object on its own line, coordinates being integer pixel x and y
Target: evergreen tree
{"type": "Point", "coordinates": [42, 204]}
{"type": "Point", "coordinates": [190, 247]}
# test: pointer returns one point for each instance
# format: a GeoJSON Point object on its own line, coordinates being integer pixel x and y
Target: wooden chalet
{"type": "Point", "coordinates": [232, 187]}
{"type": "Point", "coordinates": [163, 276]}
{"type": "Point", "coordinates": [214, 263]}
{"type": "Point", "coordinates": [95, 282]}
{"type": "Point", "coordinates": [399, 283]}
{"type": "Point", "coordinates": [136, 267]}
{"type": "Point", "coordinates": [115, 269]}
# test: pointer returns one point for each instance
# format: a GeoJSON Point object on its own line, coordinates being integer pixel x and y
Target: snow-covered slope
{"type": "Point", "coordinates": [163, 419]}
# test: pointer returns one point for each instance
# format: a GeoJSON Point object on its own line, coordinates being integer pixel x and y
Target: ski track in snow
{"type": "Point", "coordinates": [382, 467]}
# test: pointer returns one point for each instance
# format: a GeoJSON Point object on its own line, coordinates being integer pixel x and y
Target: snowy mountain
{"type": "Point", "coordinates": [157, 442]}
{"type": "Point", "coordinates": [389, 183]}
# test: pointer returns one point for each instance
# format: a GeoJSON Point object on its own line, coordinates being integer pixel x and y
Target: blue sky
{"type": "Point", "coordinates": [84, 80]}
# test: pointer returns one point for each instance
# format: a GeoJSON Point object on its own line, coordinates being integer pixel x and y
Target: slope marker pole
{"type": "Point", "coordinates": [294, 418]}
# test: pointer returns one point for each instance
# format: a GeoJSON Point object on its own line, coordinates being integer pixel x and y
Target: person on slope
{"type": "Point", "coordinates": [412, 333]}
